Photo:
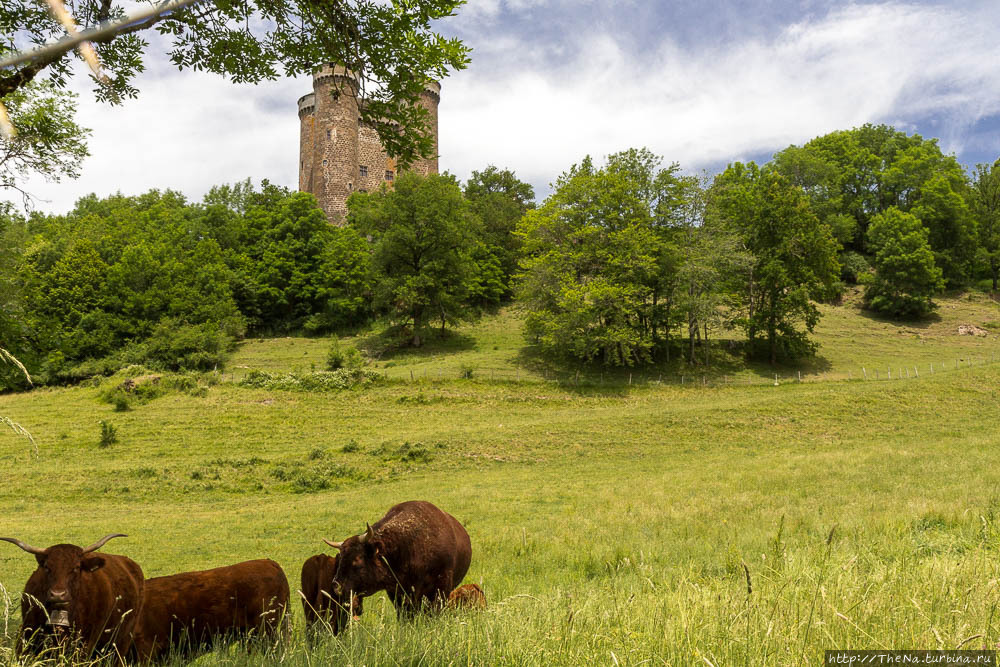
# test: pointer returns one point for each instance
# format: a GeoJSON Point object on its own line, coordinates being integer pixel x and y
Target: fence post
{"type": "Point", "coordinates": [800, 376]}
{"type": "Point", "coordinates": [932, 368]}
{"type": "Point", "coordinates": [889, 371]}
{"type": "Point", "coordinates": [704, 381]}
{"type": "Point", "coordinates": [682, 379]}
{"type": "Point", "coordinates": [865, 371]}
{"type": "Point", "coordinates": [916, 372]}
{"type": "Point", "coordinates": [775, 379]}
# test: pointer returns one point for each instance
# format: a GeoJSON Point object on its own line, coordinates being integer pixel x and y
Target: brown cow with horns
{"type": "Point", "coordinates": [89, 601]}
{"type": "Point", "coordinates": [185, 612]}
{"type": "Point", "coordinates": [416, 553]}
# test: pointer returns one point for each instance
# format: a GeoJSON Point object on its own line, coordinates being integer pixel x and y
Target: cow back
{"type": "Point", "coordinates": [187, 611]}
{"type": "Point", "coordinates": [423, 542]}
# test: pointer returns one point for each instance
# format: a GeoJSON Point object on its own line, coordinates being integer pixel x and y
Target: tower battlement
{"type": "Point", "coordinates": [339, 154]}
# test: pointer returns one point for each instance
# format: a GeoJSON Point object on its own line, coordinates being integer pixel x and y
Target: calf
{"type": "Point", "coordinates": [185, 612]}
{"type": "Point", "coordinates": [469, 596]}
{"type": "Point", "coordinates": [81, 601]}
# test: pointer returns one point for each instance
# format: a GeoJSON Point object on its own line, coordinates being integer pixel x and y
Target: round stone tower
{"type": "Point", "coordinates": [338, 154]}
{"type": "Point", "coordinates": [329, 136]}
{"type": "Point", "coordinates": [430, 98]}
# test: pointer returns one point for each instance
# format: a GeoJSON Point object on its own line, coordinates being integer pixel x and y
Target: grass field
{"type": "Point", "coordinates": [852, 341]}
{"type": "Point", "coordinates": [610, 524]}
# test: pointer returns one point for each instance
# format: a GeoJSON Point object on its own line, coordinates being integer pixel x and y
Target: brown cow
{"type": "Point", "coordinates": [416, 553]}
{"type": "Point", "coordinates": [318, 602]}
{"type": "Point", "coordinates": [185, 612]}
{"type": "Point", "coordinates": [79, 600]}
{"type": "Point", "coordinates": [469, 596]}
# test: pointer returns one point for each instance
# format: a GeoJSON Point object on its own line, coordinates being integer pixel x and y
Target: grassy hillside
{"type": "Point", "coordinates": [610, 524]}
{"type": "Point", "coordinates": [851, 339]}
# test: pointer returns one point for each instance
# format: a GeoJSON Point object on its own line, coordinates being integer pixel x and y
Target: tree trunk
{"type": "Point", "coordinates": [706, 345]}
{"type": "Point", "coordinates": [416, 330]}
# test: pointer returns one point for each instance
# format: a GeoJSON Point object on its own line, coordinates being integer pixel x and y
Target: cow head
{"type": "Point", "coordinates": [61, 566]}
{"type": "Point", "coordinates": [361, 571]}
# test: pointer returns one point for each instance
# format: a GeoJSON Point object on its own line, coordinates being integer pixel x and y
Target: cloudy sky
{"type": "Point", "coordinates": [701, 82]}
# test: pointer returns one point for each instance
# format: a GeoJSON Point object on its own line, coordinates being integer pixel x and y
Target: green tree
{"type": "Point", "coordinates": [289, 257]}
{"type": "Point", "coordinates": [423, 235]}
{"type": "Point", "coordinates": [986, 209]}
{"type": "Point", "coordinates": [48, 143]}
{"type": "Point", "coordinates": [793, 258]}
{"type": "Point", "coordinates": [500, 200]}
{"type": "Point", "coordinates": [906, 276]}
{"type": "Point", "coordinates": [850, 176]}
{"type": "Point", "coordinates": [596, 257]}
{"type": "Point", "coordinates": [391, 46]}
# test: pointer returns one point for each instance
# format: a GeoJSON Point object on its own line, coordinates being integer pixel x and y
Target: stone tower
{"type": "Point", "coordinates": [339, 154]}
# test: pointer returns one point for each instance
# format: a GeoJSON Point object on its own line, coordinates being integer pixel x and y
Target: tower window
{"type": "Point", "coordinates": [324, 163]}
{"type": "Point", "coordinates": [350, 187]}
{"type": "Point", "coordinates": [389, 175]}
{"type": "Point", "coordinates": [364, 171]}
{"type": "Point", "coordinates": [329, 135]}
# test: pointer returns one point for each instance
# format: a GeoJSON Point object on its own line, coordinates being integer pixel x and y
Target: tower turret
{"type": "Point", "coordinates": [338, 154]}
{"type": "Point", "coordinates": [430, 98]}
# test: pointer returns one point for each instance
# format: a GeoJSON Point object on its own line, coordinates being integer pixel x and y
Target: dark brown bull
{"type": "Point", "coordinates": [80, 600]}
{"type": "Point", "coordinates": [416, 553]}
{"type": "Point", "coordinates": [185, 612]}
{"type": "Point", "coordinates": [469, 596]}
{"type": "Point", "coordinates": [318, 602]}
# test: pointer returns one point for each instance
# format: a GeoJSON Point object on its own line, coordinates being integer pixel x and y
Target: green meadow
{"type": "Point", "coordinates": [652, 523]}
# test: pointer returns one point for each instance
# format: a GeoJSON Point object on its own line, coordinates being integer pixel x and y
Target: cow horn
{"type": "Point", "coordinates": [101, 542]}
{"type": "Point", "coordinates": [335, 545]}
{"type": "Point", "coordinates": [27, 547]}
{"type": "Point", "coordinates": [369, 533]}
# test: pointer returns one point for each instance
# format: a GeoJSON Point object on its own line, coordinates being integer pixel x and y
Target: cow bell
{"type": "Point", "coordinates": [59, 618]}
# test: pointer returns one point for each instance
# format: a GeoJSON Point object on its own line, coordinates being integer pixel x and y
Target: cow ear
{"type": "Point", "coordinates": [41, 559]}
{"type": "Point", "coordinates": [92, 564]}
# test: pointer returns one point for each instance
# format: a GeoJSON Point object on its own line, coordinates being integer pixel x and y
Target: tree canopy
{"type": "Point", "coordinates": [48, 141]}
{"type": "Point", "coordinates": [391, 46]}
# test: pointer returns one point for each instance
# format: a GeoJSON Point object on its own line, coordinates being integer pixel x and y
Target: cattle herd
{"type": "Point", "coordinates": [96, 604]}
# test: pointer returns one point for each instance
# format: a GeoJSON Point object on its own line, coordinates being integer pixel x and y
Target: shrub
{"type": "Point", "coordinates": [339, 357]}
{"type": "Point", "coordinates": [320, 381]}
{"type": "Point", "coordinates": [175, 345]}
{"type": "Point", "coordinates": [853, 266]}
{"type": "Point", "coordinates": [136, 385]}
{"type": "Point", "coordinates": [109, 434]}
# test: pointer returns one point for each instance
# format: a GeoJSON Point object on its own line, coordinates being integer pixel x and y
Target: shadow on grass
{"type": "Point", "coordinates": [394, 343]}
{"type": "Point", "coordinates": [725, 358]}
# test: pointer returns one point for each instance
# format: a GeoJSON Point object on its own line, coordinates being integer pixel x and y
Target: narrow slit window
{"type": "Point", "coordinates": [364, 171]}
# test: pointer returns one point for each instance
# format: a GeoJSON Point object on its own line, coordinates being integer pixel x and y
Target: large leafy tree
{"type": "Point", "coordinates": [986, 209]}
{"type": "Point", "coordinates": [597, 259]}
{"type": "Point", "coordinates": [793, 258]}
{"type": "Point", "coordinates": [851, 176]}
{"type": "Point", "coordinates": [423, 235]}
{"type": "Point", "coordinates": [906, 274]}
{"type": "Point", "coordinates": [391, 46]}
{"type": "Point", "coordinates": [48, 143]}
{"type": "Point", "coordinates": [500, 200]}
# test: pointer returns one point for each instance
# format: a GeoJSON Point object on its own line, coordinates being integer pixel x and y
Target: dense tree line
{"type": "Point", "coordinates": [158, 280]}
{"type": "Point", "coordinates": [626, 262]}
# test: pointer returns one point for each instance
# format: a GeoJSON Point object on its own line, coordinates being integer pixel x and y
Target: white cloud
{"type": "Point", "coordinates": [864, 63]}
{"type": "Point", "coordinates": [700, 106]}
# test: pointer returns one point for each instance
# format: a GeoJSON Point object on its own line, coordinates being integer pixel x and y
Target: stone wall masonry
{"type": "Point", "coordinates": [334, 145]}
